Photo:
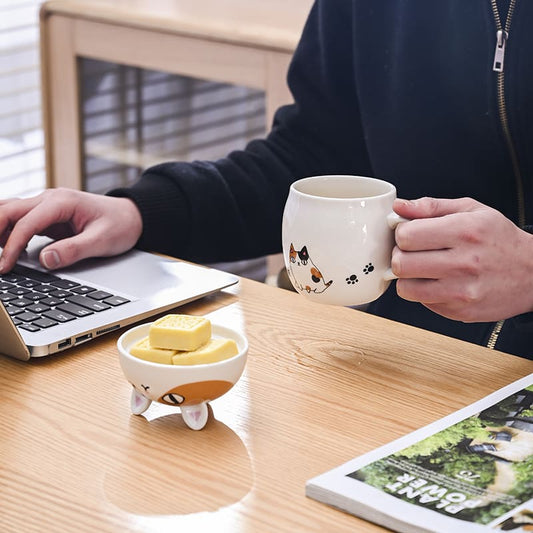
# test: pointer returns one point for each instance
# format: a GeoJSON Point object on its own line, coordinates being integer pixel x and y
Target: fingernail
{"type": "Point", "coordinates": [50, 259]}
{"type": "Point", "coordinates": [2, 264]}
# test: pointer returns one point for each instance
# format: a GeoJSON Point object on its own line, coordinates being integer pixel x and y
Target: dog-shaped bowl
{"type": "Point", "coordinates": [190, 387]}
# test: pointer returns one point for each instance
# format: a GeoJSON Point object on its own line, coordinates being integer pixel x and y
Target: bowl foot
{"type": "Point", "coordinates": [195, 416]}
{"type": "Point", "coordinates": [138, 403]}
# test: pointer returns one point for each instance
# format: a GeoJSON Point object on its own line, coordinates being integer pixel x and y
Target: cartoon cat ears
{"type": "Point", "coordinates": [303, 254]}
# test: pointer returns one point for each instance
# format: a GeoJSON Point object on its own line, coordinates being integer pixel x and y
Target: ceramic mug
{"type": "Point", "coordinates": [338, 236]}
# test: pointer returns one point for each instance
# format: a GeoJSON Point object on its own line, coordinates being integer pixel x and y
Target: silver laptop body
{"type": "Point", "coordinates": [150, 282]}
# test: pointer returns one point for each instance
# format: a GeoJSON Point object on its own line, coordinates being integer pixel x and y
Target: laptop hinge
{"type": "Point", "coordinates": [11, 342]}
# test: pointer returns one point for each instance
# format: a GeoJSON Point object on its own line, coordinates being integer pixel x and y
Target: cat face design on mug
{"type": "Point", "coordinates": [304, 274]}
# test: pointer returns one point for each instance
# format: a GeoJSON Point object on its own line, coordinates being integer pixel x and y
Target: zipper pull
{"type": "Point", "coordinates": [499, 53]}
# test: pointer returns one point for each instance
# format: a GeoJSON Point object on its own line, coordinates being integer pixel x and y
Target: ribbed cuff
{"type": "Point", "coordinates": [164, 213]}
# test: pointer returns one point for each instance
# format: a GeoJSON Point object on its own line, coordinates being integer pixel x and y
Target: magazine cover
{"type": "Point", "coordinates": [470, 471]}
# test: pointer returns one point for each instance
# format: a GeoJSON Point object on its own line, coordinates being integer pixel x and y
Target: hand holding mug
{"type": "Point", "coordinates": [463, 260]}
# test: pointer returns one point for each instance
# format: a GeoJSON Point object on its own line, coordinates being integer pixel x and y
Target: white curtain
{"type": "Point", "coordinates": [21, 140]}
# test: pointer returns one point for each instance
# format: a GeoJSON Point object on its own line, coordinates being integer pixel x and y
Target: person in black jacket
{"type": "Point", "coordinates": [434, 97]}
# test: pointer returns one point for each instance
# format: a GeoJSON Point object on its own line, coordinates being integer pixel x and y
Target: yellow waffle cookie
{"type": "Point", "coordinates": [211, 352]}
{"type": "Point", "coordinates": [143, 350]}
{"type": "Point", "coordinates": [180, 332]}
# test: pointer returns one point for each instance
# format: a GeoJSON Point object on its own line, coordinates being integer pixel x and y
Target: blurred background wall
{"type": "Point", "coordinates": [131, 118]}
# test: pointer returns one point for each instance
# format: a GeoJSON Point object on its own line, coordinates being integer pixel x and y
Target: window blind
{"type": "Point", "coordinates": [134, 118]}
{"type": "Point", "coordinates": [22, 167]}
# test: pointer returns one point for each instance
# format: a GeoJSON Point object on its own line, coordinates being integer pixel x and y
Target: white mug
{"type": "Point", "coordinates": [338, 236]}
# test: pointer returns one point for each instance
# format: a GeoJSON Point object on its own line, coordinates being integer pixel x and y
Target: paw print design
{"type": "Point", "coordinates": [368, 268]}
{"type": "Point", "coordinates": [352, 280]}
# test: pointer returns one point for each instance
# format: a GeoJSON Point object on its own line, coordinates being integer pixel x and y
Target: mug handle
{"type": "Point", "coordinates": [393, 220]}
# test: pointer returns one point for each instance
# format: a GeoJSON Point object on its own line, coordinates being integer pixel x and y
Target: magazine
{"type": "Point", "coordinates": [470, 471]}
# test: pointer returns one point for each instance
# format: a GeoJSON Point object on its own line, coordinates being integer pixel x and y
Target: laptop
{"type": "Point", "coordinates": [47, 312]}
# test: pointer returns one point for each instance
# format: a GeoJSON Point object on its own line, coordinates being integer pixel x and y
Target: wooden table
{"type": "Point", "coordinates": [322, 385]}
{"type": "Point", "coordinates": [242, 42]}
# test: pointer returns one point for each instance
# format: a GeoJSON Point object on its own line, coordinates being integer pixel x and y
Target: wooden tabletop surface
{"type": "Point", "coordinates": [321, 386]}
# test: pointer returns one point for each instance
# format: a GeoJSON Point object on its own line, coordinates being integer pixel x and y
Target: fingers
{"type": "Point", "coordinates": [24, 219]}
{"type": "Point", "coordinates": [457, 299]}
{"type": "Point", "coordinates": [13, 242]}
{"type": "Point", "coordinates": [114, 230]}
{"type": "Point", "coordinates": [437, 291]}
{"type": "Point", "coordinates": [466, 255]}
{"type": "Point", "coordinates": [442, 224]}
{"type": "Point", "coordinates": [456, 302]}
{"type": "Point", "coordinates": [432, 264]}
{"type": "Point", "coordinates": [462, 259]}
{"type": "Point", "coordinates": [433, 207]}
{"type": "Point", "coordinates": [67, 251]}
{"type": "Point", "coordinates": [84, 225]}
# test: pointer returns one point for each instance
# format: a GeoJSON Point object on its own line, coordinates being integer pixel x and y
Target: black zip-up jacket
{"type": "Point", "coordinates": [403, 90]}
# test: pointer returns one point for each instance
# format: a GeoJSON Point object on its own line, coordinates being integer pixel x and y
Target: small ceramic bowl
{"type": "Point", "coordinates": [190, 387]}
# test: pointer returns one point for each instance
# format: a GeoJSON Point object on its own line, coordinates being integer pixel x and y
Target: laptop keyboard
{"type": "Point", "coordinates": [38, 300]}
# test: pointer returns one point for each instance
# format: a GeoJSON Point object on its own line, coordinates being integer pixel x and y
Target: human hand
{"type": "Point", "coordinates": [463, 260]}
{"type": "Point", "coordinates": [84, 224]}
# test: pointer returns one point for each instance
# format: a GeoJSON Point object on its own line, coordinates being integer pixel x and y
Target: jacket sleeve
{"type": "Point", "coordinates": [232, 208]}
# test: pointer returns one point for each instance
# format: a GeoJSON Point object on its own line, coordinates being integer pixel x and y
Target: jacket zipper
{"type": "Point", "coordinates": [502, 34]}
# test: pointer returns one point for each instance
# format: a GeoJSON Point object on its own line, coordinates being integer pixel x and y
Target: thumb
{"type": "Point", "coordinates": [49, 258]}
{"type": "Point", "coordinates": [432, 207]}
{"type": "Point", "coordinates": [65, 252]}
